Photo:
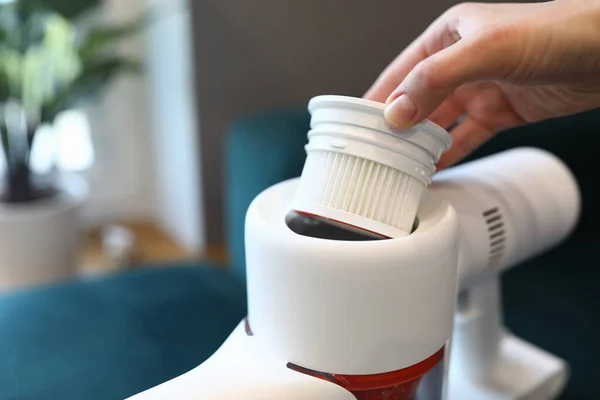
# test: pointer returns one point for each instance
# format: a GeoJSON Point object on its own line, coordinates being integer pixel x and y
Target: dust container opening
{"type": "Point", "coordinates": [319, 227]}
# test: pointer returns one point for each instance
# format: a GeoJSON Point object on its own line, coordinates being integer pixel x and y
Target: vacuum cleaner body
{"type": "Point", "coordinates": [339, 310]}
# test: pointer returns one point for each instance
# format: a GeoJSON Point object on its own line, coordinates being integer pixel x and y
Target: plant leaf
{"type": "Point", "coordinates": [4, 88]}
{"type": "Point", "coordinates": [88, 84]}
{"type": "Point", "coordinates": [70, 9]}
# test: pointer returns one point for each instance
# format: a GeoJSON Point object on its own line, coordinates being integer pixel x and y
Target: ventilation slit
{"type": "Point", "coordinates": [490, 211]}
{"type": "Point", "coordinates": [493, 219]}
{"type": "Point", "coordinates": [497, 234]}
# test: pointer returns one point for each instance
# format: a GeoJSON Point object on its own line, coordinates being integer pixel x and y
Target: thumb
{"type": "Point", "coordinates": [486, 57]}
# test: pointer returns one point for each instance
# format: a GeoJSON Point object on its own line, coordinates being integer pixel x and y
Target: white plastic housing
{"type": "Point", "coordinates": [350, 307]}
{"type": "Point", "coordinates": [367, 307]}
{"type": "Point", "coordinates": [521, 372]}
{"type": "Point", "coordinates": [240, 370]}
{"type": "Point", "coordinates": [489, 363]}
{"type": "Point", "coordinates": [512, 206]}
{"type": "Point", "coordinates": [361, 172]}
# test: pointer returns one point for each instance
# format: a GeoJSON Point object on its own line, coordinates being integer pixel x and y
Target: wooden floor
{"type": "Point", "coordinates": [152, 247]}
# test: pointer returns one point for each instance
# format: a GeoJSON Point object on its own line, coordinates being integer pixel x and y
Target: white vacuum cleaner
{"type": "Point", "coordinates": [369, 278]}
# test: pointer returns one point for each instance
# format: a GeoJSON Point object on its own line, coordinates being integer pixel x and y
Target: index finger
{"type": "Point", "coordinates": [439, 35]}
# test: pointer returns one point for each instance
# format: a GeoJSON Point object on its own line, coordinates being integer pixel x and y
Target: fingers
{"type": "Point", "coordinates": [395, 73]}
{"type": "Point", "coordinates": [485, 57]}
{"type": "Point", "coordinates": [466, 137]}
{"type": "Point", "coordinates": [449, 112]}
{"type": "Point", "coordinates": [439, 35]}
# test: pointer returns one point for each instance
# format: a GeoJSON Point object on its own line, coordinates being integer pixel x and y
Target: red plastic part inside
{"type": "Point", "coordinates": [306, 214]}
{"type": "Point", "coordinates": [395, 385]}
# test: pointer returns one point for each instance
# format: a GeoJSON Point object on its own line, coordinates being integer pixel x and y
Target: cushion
{"type": "Point", "coordinates": [552, 301]}
{"type": "Point", "coordinates": [113, 337]}
{"type": "Point", "coordinates": [261, 151]}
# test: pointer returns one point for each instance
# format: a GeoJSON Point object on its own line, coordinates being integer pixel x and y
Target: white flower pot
{"type": "Point", "coordinates": [40, 241]}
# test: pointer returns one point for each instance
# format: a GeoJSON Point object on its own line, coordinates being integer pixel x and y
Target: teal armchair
{"type": "Point", "coordinates": [112, 337]}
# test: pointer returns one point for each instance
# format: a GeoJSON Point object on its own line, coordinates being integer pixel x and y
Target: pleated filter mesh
{"type": "Point", "coordinates": [361, 187]}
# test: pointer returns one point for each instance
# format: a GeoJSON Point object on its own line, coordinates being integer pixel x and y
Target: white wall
{"type": "Point", "coordinates": [146, 148]}
{"type": "Point", "coordinates": [179, 200]}
{"type": "Point", "coordinates": [121, 177]}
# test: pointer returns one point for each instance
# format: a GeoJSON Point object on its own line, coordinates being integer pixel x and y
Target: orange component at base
{"type": "Point", "coordinates": [395, 385]}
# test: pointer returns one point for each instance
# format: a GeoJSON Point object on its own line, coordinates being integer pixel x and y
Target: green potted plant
{"type": "Point", "coordinates": [47, 65]}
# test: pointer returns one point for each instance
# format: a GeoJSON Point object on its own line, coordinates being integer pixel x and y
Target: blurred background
{"type": "Point", "coordinates": [133, 136]}
{"type": "Point", "coordinates": [123, 104]}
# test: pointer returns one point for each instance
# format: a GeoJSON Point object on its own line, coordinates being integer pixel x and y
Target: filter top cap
{"type": "Point", "coordinates": [369, 114]}
{"type": "Point", "coordinates": [361, 173]}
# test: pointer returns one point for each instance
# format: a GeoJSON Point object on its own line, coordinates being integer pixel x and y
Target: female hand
{"type": "Point", "coordinates": [490, 67]}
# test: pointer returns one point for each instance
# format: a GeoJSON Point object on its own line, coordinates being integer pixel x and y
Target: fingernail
{"type": "Point", "coordinates": [400, 112]}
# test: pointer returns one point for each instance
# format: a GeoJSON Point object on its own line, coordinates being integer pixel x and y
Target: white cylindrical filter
{"type": "Point", "coordinates": [360, 172]}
